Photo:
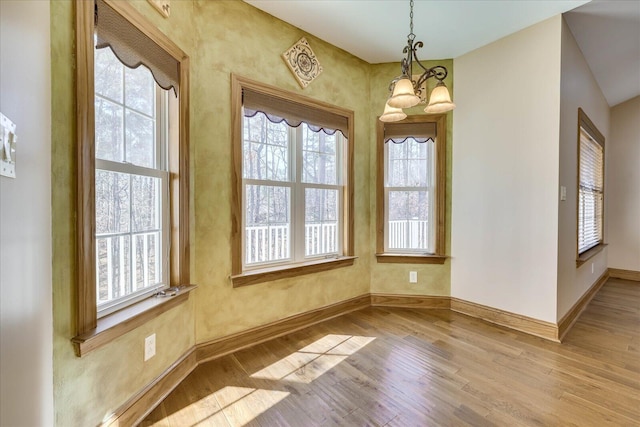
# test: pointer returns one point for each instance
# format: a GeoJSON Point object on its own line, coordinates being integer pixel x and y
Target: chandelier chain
{"type": "Point", "coordinates": [411, 18]}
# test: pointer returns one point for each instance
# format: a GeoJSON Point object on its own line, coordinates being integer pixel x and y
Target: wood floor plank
{"type": "Point", "coordinates": [414, 367]}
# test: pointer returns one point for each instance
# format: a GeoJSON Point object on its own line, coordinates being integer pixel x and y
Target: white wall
{"type": "Point", "coordinates": [505, 172]}
{"type": "Point", "coordinates": [26, 369]}
{"type": "Point", "coordinates": [579, 89]}
{"type": "Point", "coordinates": [623, 189]}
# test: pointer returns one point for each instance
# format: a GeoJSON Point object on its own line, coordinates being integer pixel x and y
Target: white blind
{"type": "Point", "coordinates": [590, 193]}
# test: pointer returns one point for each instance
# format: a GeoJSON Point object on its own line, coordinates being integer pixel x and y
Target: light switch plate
{"type": "Point", "coordinates": [563, 192]}
{"type": "Point", "coordinates": [8, 141]}
{"type": "Point", "coordinates": [162, 6]}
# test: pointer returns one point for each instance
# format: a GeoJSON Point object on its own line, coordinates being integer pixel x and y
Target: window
{"type": "Point", "coordinates": [410, 190]}
{"type": "Point", "coordinates": [590, 185]}
{"type": "Point", "coordinates": [131, 183]}
{"type": "Point", "coordinates": [133, 169]}
{"type": "Point", "coordinates": [293, 194]}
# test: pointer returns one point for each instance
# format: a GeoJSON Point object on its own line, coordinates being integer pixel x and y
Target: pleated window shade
{"type": "Point", "coordinates": [590, 193]}
{"type": "Point", "coordinates": [400, 132]}
{"type": "Point", "coordinates": [133, 47]}
{"type": "Point", "coordinates": [278, 109]}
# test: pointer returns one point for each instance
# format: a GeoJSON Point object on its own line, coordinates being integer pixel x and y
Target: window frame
{"type": "Point", "coordinates": [585, 123]}
{"type": "Point", "coordinates": [439, 210]}
{"type": "Point", "coordinates": [160, 171]}
{"type": "Point", "coordinates": [92, 332]}
{"type": "Point", "coordinates": [241, 276]}
{"type": "Point", "coordinates": [294, 182]}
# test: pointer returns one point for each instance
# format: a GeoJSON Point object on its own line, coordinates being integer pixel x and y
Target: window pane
{"type": "Point", "coordinates": [268, 225]}
{"type": "Point", "coordinates": [266, 149]}
{"type": "Point", "coordinates": [591, 174]}
{"type": "Point", "coordinates": [321, 221]}
{"type": "Point", "coordinates": [109, 130]}
{"type": "Point", "coordinates": [108, 72]}
{"type": "Point", "coordinates": [112, 202]}
{"type": "Point", "coordinates": [140, 140]}
{"type": "Point", "coordinates": [319, 160]}
{"type": "Point", "coordinates": [113, 268]}
{"type": "Point", "coordinates": [417, 173]}
{"type": "Point", "coordinates": [140, 90]}
{"type": "Point", "coordinates": [146, 252]}
{"type": "Point", "coordinates": [319, 168]}
{"type": "Point", "coordinates": [145, 203]}
{"type": "Point", "coordinates": [408, 226]}
{"type": "Point", "coordinates": [408, 164]}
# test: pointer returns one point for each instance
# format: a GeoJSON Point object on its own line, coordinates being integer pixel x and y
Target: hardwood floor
{"type": "Point", "coordinates": [413, 367]}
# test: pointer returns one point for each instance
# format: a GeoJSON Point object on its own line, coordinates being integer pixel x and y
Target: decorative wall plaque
{"type": "Point", "coordinates": [162, 6]}
{"type": "Point", "coordinates": [302, 62]}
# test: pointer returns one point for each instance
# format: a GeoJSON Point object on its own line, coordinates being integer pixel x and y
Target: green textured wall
{"type": "Point", "coordinates": [433, 279]}
{"type": "Point", "coordinates": [220, 37]}
{"type": "Point", "coordinates": [233, 37]}
{"type": "Point", "coordinates": [88, 389]}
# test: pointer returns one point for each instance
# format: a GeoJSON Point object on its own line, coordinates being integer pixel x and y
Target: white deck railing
{"type": "Point", "coordinates": [321, 238]}
{"type": "Point", "coordinates": [116, 275]}
{"type": "Point", "coordinates": [267, 243]}
{"type": "Point", "coordinates": [271, 242]}
{"type": "Point", "coordinates": [408, 234]}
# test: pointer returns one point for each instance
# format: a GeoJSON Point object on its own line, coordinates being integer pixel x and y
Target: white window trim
{"type": "Point", "coordinates": [161, 154]}
{"type": "Point", "coordinates": [297, 203]}
{"type": "Point", "coordinates": [430, 188]}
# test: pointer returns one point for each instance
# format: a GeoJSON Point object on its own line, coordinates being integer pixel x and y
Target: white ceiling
{"type": "Point", "coordinates": [376, 30]}
{"type": "Point", "coordinates": [608, 31]}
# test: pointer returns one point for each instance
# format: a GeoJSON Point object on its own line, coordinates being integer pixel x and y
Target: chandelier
{"type": "Point", "coordinates": [405, 92]}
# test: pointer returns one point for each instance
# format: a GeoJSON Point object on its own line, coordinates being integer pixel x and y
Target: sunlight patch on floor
{"type": "Point", "coordinates": [237, 406]}
{"type": "Point", "coordinates": [246, 404]}
{"type": "Point", "coordinates": [310, 362]}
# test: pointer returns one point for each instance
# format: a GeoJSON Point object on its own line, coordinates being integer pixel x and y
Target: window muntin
{"type": "Point", "coordinates": [409, 196]}
{"type": "Point", "coordinates": [293, 192]}
{"type": "Point", "coordinates": [590, 191]}
{"type": "Point", "coordinates": [131, 183]}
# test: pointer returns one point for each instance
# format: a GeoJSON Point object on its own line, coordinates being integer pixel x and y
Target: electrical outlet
{"type": "Point", "coordinates": [149, 347]}
{"type": "Point", "coordinates": [413, 277]}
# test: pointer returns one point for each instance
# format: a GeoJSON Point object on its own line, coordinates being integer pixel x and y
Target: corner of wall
{"type": "Point", "coordinates": [578, 89]}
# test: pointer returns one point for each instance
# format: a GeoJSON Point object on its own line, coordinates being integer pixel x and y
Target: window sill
{"type": "Point", "coordinates": [281, 272]}
{"type": "Point", "coordinates": [390, 258]}
{"type": "Point", "coordinates": [585, 256]}
{"type": "Point", "coordinates": [119, 323]}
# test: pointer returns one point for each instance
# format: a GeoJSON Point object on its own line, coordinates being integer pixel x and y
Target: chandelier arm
{"type": "Point", "coordinates": [408, 50]}
{"type": "Point", "coordinates": [438, 72]}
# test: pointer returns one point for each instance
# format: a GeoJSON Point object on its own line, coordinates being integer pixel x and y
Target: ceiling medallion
{"type": "Point", "coordinates": [302, 62]}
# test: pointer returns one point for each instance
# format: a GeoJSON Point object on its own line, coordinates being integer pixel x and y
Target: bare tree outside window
{"type": "Point", "coordinates": [292, 182]}
{"type": "Point", "coordinates": [409, 192]}
{"type": "Point", "coordinates": [130, 181]}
